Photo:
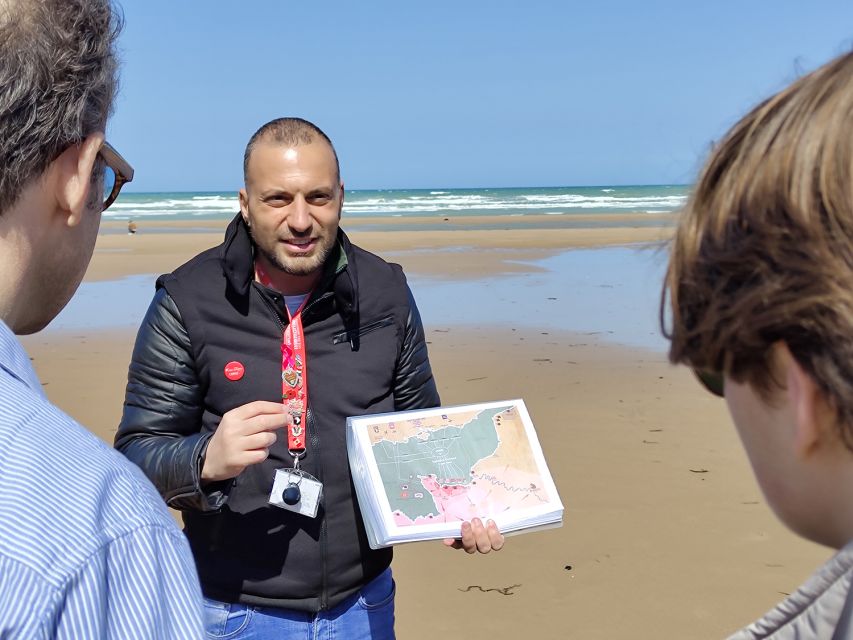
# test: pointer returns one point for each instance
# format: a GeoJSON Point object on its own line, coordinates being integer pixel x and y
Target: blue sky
{"type": "Point", "coordinates": [459, 93]}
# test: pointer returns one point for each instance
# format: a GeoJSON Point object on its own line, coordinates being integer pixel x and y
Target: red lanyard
{"type": "Point", "coordinates": [294, 372]}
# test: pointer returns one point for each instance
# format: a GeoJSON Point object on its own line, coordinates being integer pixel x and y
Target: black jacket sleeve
{"type": "Point", "coordinates": [414, 386]}
{"type": "Point", "coordinates": [160, 428]}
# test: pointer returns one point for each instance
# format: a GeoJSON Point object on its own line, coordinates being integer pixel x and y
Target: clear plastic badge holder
{"type": "Point", "coordinates": [307, 494]}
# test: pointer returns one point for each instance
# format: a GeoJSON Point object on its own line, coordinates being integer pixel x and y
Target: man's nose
{"type": "Point", "coordinates": [299, 219]}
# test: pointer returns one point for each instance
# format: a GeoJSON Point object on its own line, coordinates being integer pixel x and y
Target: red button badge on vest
{"type": "Point", "coordinates": [234, 370]}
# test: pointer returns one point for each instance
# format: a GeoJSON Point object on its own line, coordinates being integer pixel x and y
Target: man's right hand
{"type": "Point", "coordinates": [243, 438]}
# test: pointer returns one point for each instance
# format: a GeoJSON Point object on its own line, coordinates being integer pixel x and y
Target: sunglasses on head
{"type": "Point", "coordinates": [712, 380]}
{"type": "Point", "coordinates": [117, 173]}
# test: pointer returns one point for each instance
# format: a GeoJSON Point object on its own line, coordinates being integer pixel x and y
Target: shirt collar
{"type": "Point", "coordinates": [15, 361]}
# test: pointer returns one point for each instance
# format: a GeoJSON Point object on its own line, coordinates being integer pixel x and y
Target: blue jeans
{"type": "Point", "coordinates": [366, 615]}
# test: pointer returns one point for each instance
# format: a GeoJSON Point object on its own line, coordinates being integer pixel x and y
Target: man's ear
{"type": "Point", "coordinates": [807, 403]}
{"type": "Point", "coordinates": [244, 205]}
{"type": "Point", "coordinates": [73, 177]}
{"type": "Point", "coordinates": [341, 205]}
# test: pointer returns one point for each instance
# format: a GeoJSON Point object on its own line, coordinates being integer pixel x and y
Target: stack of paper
{"type": "Point", "coordinates": [419, 474]}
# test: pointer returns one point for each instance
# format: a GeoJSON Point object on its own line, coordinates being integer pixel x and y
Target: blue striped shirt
{"type": "Point", "coordinates": [87, 547]}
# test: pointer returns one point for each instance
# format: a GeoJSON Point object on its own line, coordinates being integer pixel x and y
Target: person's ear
{"type": "Point", "coordinates": [244, 206]}
{"type": "Point", "coordinates": [341, 205]}
{"type": "Point", "coordinates": [806, 401]}
{"type": "Point", "coordinates": [73, 169]}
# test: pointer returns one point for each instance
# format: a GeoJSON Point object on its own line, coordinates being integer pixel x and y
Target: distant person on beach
{"type": "Point", "coordinates": [131, 227]}
{"type": "Point", "coordinates": [87, 549]}
{"type": "Point", "coordinates": [760, 283]}
{"type": "Point", "coordinates": [218, 400]}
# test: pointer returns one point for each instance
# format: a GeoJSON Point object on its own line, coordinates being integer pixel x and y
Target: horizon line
{"type": "Point", "coordinates": [577, 186]}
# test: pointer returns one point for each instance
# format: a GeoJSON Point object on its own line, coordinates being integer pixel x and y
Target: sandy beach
{"type": "Point", "coordinates": [665, 533]}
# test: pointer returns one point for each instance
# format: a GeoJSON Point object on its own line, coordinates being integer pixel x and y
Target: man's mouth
{"type": "Point", "coordinates": [300, 245]}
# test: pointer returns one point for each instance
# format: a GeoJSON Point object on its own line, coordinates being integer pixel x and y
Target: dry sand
{"type": "Point", "coordinates": [666, 534]}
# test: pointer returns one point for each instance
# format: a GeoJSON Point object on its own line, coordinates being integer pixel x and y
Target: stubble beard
{"type": "Point", "coordinates": [299, 266]}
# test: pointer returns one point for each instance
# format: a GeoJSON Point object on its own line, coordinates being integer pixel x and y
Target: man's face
{"type": "Point", "coordinates": [292, 203]}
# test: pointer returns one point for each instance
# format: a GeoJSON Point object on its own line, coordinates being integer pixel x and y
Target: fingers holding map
{"type": "Point", "coordinates": [478, 537]}
{"type": "Point", "coordinates": [420, 474]}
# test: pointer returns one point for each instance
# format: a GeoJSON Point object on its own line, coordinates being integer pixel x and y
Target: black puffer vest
{"type": "Point", "coordinates": [366, 354]}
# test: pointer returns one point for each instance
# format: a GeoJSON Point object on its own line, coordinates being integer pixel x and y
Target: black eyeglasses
{"type": "Point", "coordinates": [713, 381]}
{"type": "Point", "coordinates": [117, 173]}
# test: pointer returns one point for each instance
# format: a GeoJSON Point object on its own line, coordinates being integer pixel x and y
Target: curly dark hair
{"type": "Point", "coordinates": [58, 77]}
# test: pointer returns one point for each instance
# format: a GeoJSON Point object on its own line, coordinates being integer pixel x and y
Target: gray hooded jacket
{"type": "Point", "coordinates": [821, 609]}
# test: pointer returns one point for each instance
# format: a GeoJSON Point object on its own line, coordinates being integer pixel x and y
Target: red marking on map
{"type": "Point", "coordinates": [454, 503]}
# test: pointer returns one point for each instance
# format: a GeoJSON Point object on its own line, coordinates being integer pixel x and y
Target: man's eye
{"type": "Point", "coordinates": [320, 198]}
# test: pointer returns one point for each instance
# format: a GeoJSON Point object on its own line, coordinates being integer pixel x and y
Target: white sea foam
{"type": "Point", "coordinates": [190, 206]}
{"type": "Point", "coordinates": [401, 203]}
{"type": "Point", "coordinates": [169, 205]}
{"type": "Point", "coordinates": [606, 201]}
{"type": "Point", "coordinates": [543, 202]}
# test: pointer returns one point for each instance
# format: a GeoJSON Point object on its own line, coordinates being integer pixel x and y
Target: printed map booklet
{"type": "Point", "coordinates": [419, 474]}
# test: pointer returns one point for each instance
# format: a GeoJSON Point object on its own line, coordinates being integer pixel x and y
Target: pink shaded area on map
{"type": "Point", "coordinates": [452, 501]}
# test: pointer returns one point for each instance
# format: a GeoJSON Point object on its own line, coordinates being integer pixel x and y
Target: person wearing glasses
{"type": "Point", "coordinates": [247, 364]}
{"type": "Point", "coordinates": [760, 289]}
{"type": "Point", "coordinates": [87, 548]}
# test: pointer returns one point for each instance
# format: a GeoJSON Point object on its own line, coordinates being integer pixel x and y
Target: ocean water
{"type": "Point", "coordinates": [423, 202]}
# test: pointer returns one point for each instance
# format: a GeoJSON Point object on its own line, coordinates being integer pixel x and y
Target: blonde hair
{"type": "Point", "coordinates": [764, 248]}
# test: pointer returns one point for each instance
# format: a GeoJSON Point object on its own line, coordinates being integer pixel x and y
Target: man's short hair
{"type": "Point", "coordinates": [764, 250]}
{"type": "Point", "coordinates": [289, 132]}
{"type": "Point", "coordinates": [58, 76]}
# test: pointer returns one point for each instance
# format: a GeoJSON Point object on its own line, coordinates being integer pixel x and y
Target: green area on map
{"type": "Point", "coordinates": [448, 453]}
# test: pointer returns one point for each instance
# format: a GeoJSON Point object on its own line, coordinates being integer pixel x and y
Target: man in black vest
{"type": "Point", "coordinates": [218, 400]}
